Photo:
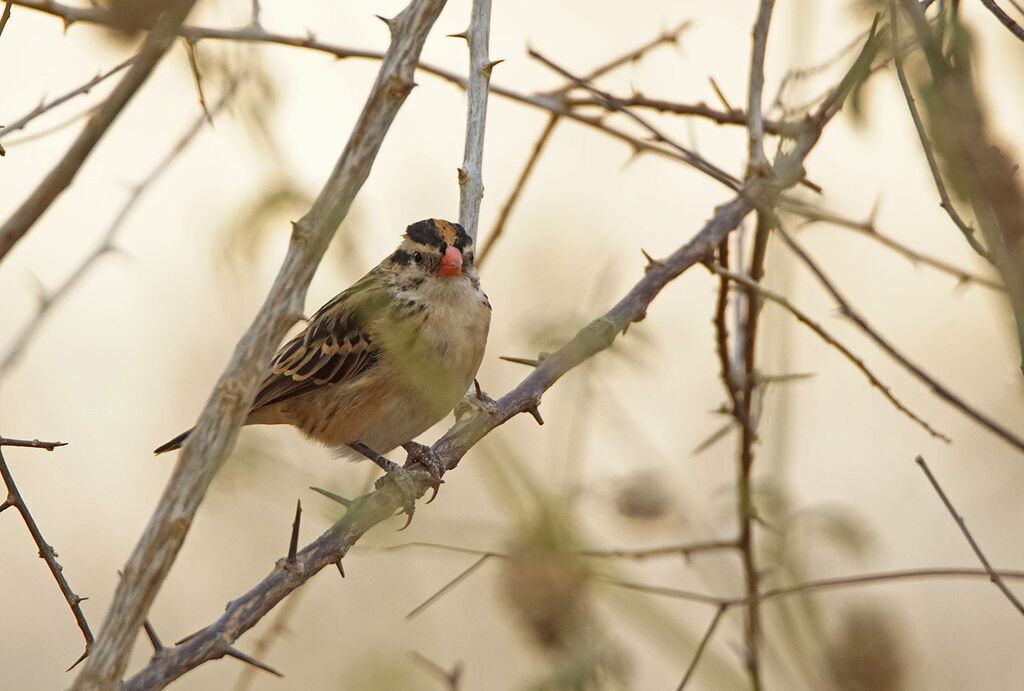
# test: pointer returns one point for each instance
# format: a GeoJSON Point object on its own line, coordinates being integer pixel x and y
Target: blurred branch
{"type": "Point", "coordinates": [685, 550]}
{"type": "Point", "coordinates": [757, 162]}
{"type": "Point", "coordinates": [215, 433]}
{"type": "Point", "coordinates": [159, 39]}
{"type": "Point", "coordinates": [701, 646]}
{"type": "Point", "coordinates": [3, 23]}
{"type": "Point", "coordinates": [629, 57]}
{"type": "Point", "coordinates": [731, 116]}
{"type": "Point", "coordinates": [970, 539]}
{"type": "Point", "coordinates": [506, 210]}
{"type": "Point", "coordinates": [106, 244]}
{"type": "Point", "coordinates": [941, 391]}
{"type": "Point", "coordinates": [471, 181]}
{"type": "Point", "coordinates": [804, 319]}
{"type": "Point", "coordinates": [818, 585]}
{"type": "Point", "coordinates": [1004, 19]}
{"type": "Point", "coordinates": [817, 215]}
{"type": "Point", "coordinates": [255, 33]}
{"type": "Point", "coordinates": [689, 157]}
{"type": "Point", "coordinates": [933, 165]}
{"type": "Point", "coordinates": [977, 165]}
{"type": "Point", "coordinates": [46, 551]}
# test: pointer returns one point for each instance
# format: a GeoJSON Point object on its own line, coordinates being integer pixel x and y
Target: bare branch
{"type": "Point", "coordinates": [106, 243]}
{"type": "Point", "coordinates": [939, 389]}
{"type": "Point", "coordinates": [926, 146]}
{"type": "Point", "coordinates": [46, 552]}
{"type": "Point", "coordinates": [44, 107]}
{"type": "Point", "coordinates": [471, 181]}
{"type": "Point", "coordinates": [159, 39]}
{"type": "Point", "coordinates": [1004, 19]}
{"type": "Point", "coordinates": [757, 163]}
{"type": "Point", "coordinates": [506, 210]}
{"type": "Point", "coordinates": [685, 550]}
{"type": "Point", "coordinates": [3, 22]}
{"type": "Point", "coordinates": [970, 539]}
{"type": "Point", "coordinates": [804, 319]}
{"type": "Point", "coordinates": [217, 428]}
{"type": "Point", "coordinates": [701, 646]}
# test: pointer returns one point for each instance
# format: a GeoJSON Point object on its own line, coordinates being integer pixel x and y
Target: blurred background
{"type": "Point", "coordinates": [127, 359]}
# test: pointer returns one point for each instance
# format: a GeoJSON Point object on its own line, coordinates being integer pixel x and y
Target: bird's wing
{"type": "Point", "coordinates": [333, 348]}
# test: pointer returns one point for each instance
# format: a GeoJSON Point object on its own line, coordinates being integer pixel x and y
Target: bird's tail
{"type": "Point", "coordinates": [174, 443]}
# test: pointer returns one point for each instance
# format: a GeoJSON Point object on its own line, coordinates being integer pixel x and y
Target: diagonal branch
{"type": "Point", "coordinates": [217, 428]}
{"type": "Point", "coordinates": [156, 44]}
{"type": "Point", "coordinates": [46, 552]}
{"type": "Point", "coordinates": [970, 539]}
{"type": "Point", "coordinates": [936, 387]}
{"type": "Point", "coordinates": [106, 244]}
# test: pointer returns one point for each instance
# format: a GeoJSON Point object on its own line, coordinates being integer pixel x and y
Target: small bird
{"type": "Point", "coordinates": [388, 357]}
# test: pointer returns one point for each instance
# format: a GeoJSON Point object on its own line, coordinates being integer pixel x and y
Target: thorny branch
{"type": "Point", "coordinates": [106, 244]}
{"type": "Point", "coordinates": [214, 436]}
{"type": "Point", "coordinates": [471, 179]}
{"type": "Point", "coordinates": [46, 551]}
{"type": "Point", "coordinates": [847, 310]}
{"type": "Point", "coordinates": [159, 39]}
{"type": "Point", "coordinates": [970, 539]}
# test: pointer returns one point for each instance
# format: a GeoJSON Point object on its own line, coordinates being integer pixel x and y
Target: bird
{"type": "Point", "coordinates": [386, 358]}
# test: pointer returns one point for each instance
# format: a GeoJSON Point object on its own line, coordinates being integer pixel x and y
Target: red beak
{"type": "Point", "coordinates": [451, 262]}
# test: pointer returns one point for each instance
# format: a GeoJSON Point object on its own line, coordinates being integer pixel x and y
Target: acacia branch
{"type": "Point", "coordinates": [993, 575]}
{"type": "Point", "coordinates": [471, 180]}
{"type": "Point", "coordinates": [215, 433]}
{"type": "Point", "coordinates": [106, 243]}
{"type": "Point", "coordinates": [847, 310]}
{"type": "Point", "coordinates": [159, 39]}
{"type": "Point", "coordinates": [46, 551]}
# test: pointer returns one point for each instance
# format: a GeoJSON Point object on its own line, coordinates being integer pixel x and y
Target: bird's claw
{"type": "Point", "coordinates": [403, 481]}
{"type": "Point", "coordinates": [425, 456]}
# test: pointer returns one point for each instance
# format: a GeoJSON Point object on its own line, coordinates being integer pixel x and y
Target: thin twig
{"type": "Point", "coordinates": [1004, 19]}
{"type": "Point", "coordinates": [32, 443]}
{"type": "Point", "coordinates": [471, 181]}
{"type": "Point", "coordinates": [970, 539]}
{"type": "Point", "coordinates": [734, 116]}
{"type": "Point", "coordinates": [464, 574]}
{"type": "Point", "coordinates": [939, 389]}
{"type": "Point", "coordinates": [159, 39]}
{"type": "Point", "coordinates": [757, 162]}
{"type": "Point", "coordinates": [50, 105]}
{"type": "Point", "coordinates": [933, 165]}
{"type": "Point", "coordinates": [506, 210]}
{"type": "Point", "coordinates": [814, 586]}
{"type": "Point", "coordinates": [107, 242]}
{"type": "Point", "coordinates": [691, 158]}
{"type": "Point", "coordinates": [3, 23]}
{"type": "Point", "coordinates": [700, 648]}
{"type": "Point", "coordinates": [686, 550]}
{"type": "Point", "coordinates": [46, 552]}
{"type": "Point", "coordinates": [215, 433]}
{"type": "Point", "coordinates": [867, 228]}
{"type": "Point", "coordinates": [806, 320]}
{"type": "Point", "coordinates": [629, 57]}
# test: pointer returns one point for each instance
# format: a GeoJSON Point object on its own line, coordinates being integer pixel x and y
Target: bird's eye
{"type": "Point", "coordinates": [417, 257]}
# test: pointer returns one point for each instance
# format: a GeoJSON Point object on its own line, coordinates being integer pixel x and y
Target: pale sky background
{"type": "Point", "coordinates": [128, 359]}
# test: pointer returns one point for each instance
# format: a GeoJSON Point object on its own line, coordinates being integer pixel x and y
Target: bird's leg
{"type": "Point", "coordinates": [425, 456]}
{"type": "Point", "coordinates": [399, 475]}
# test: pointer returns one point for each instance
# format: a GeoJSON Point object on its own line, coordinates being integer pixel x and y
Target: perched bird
{"type": "Point", "coordinates": [388, 357]}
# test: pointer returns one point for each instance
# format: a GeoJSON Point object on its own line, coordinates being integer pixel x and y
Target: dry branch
{"type": "Point", "coordinates": [159, 39]}
{"type": "Point", "coordinates": [217, 429]}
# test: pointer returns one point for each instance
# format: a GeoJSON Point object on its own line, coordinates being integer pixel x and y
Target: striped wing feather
{"type": "Point", "coordinates": [334, 347]}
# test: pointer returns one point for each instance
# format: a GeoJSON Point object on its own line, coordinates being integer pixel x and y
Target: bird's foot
{"type": "Point", "coordinates": [401, 477]}
{"type": "Point", "coordinates": [425, 456]}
